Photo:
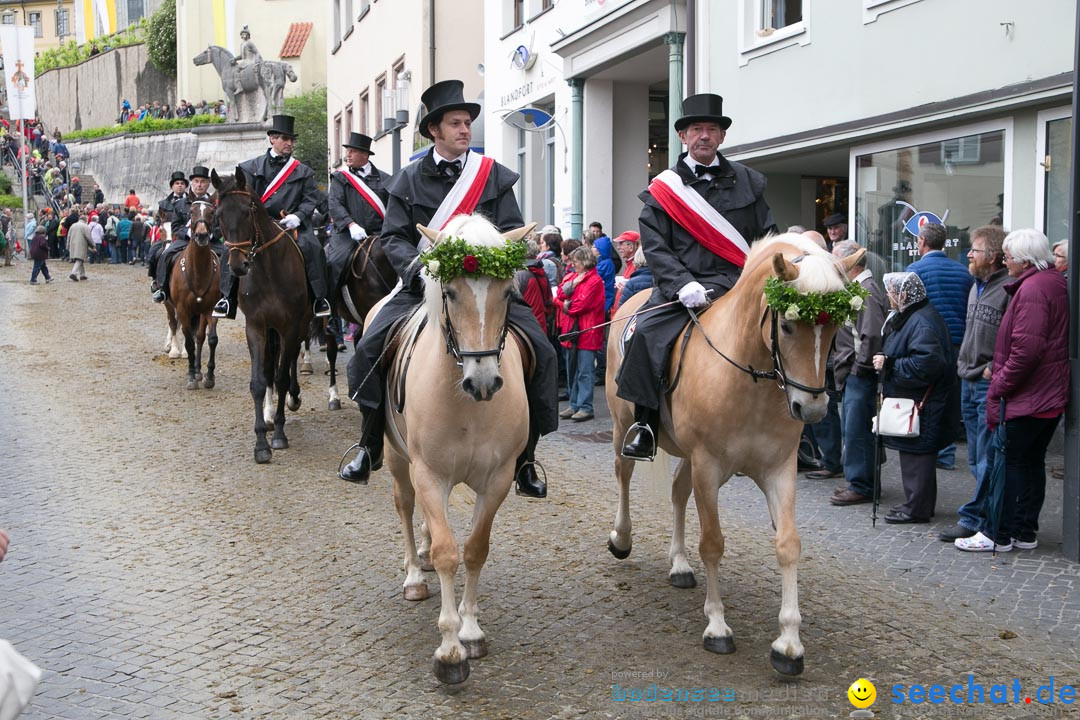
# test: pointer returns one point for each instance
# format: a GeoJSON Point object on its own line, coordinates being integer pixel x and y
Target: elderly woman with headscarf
{"type": "Point", "coordinates": [916, 361]}
{"type": "Point", "coordinates": [1030, 377]}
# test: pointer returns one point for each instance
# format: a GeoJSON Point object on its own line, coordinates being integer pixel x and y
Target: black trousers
{"type": "Point", "coordinates": [314, 267]}
{"type": "Point", "coordinates": [338, 251]}
{"type": "Point", "coordinates": [918, 473]}
{"type": "Point", "coordinates": [366, 382]}
{"type": "Point", "coordinates": [644, 364]}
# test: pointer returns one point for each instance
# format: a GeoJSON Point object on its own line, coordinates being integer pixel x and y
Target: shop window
{"type": "Point", "coordinates": [1056, 166]}
{"type": "Point", "coordinates": [960, 178]}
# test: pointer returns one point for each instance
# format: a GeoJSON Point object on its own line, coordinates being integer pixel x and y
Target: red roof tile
{"type": "Point", "coordinates": [295, 40]}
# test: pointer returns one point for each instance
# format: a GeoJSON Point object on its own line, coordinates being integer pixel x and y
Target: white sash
{"type": "Point", "coordinates": [362, 187]}
{"type": "Point", "coordinates": [457, 193]}
{"type": "Point", "coordinates": [279, 179]}
{"type": "Point", "coordinates": [700, 206]}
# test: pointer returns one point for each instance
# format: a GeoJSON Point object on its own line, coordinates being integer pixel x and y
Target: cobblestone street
{"type": "Point", "coordinates": [155, 571]}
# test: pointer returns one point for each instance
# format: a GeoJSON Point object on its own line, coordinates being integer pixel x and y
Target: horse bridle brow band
{"type": "Point", "coordinates": [255, 245]}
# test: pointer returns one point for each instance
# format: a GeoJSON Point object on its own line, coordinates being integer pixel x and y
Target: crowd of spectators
{"type": "Point", "coordinates": [159, 110]}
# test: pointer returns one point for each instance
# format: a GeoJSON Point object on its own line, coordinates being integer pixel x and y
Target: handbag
{"type": "Point", "coordinates": [899, 417]}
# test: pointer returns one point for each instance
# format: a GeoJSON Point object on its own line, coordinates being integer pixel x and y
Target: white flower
{"type": "Point", "coordinates": [856, 303]}
{"type": "Point", "coordinates": [433, 267]}
{"type": "Point", "coordinates": [792, 312]}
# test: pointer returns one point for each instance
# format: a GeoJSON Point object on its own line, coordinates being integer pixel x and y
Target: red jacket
{"type": "Point", "coordinates": [536, 292]}
{"type": "Point", "coordinates": [586, 310]}
{"type": "Point", "coordinates": [1031, 355]}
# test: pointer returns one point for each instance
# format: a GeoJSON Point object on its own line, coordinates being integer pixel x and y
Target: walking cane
{"type": "Point", "coordinates": [877, 447]}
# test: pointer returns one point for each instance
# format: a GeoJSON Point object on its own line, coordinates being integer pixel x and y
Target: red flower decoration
{"type": "Point", "coordinates": [823, 318]}
{"type": "Point", "coordinates": [470, 263]}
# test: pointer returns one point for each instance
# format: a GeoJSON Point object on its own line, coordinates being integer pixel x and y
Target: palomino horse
{"type": "Point", "coordinates": [273, 297]}
{"type": "Point", "coordinates": [748, 421]}
{"type": "Point", "coordinates": [464, 420]}
{"type": "Point", "coordinates": [193, 290]}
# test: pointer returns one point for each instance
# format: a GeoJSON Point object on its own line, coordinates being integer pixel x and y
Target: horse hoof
{"type": "Point", "coordinates": [425, 563]}
{"type": "Point", "coordinates": [682, 580]}
{"type": "Point", "coordinates": [173, 354]}
{"type": "Point", "coordinates": [293, 403]}
{"type": "Point", "coordinates": [620, 554]}
{"type": "Point", "coordinates": [306, 369]}
{"type": "Point", "coordinates": [208, 383]}
{"type": "Point", "coordinates": [451, 674]}
{"type": "Point", "coordinates": [198, 376]}
{"type": "Point", "coordinates": [262, 456]}
{"type": "Point", "coordinates": [192, 385]}
{"type": "Point", "coordinates": [720, 645]}
{"type": "Point", "coordinates": [417, 592]}
{"type": "Point", "coordinates": [279, 444]}
{"type": "Point", "coordinates": [785, 665]}
{"type": "Point", "coordinates": [475, 648]}
{"type": "Point", "coordinates": [333, 405]}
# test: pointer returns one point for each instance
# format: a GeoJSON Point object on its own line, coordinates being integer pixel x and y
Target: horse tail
{"type": "Point", "coordinates": [658, 475]}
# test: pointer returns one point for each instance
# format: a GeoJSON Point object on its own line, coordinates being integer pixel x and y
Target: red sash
{"type": "Point", "coordinates": [365, 192]}
{"type": "Point", "coordinates": [470, 196]}
{"type": "Point", "coordinates": [282, 176]}
{"type": "Point", "coordinates": [704, 223]}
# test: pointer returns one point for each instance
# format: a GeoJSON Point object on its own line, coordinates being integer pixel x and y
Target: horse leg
{"type": "Point", "coordinates": [476, 552]}
{"type": "Point", "coordinates": [451, 663]}
{"type": "Point", "coordinates": [208, 382]}
{"type": "Point", "coordinates": [257, 350]}
{"type": "Point", "coordinates": [620, 541]}
{"type": "Point", "coordinates": [200, 340]}
{"type": "Point", "coordinates": [334, 402]}
{"type": "Point", "coordinates": [173, 343]}
{"type": "Point", "coordinates": [294, 386]}
{"type": "Point", "coordinates": [189, 349]}
{"type": "Point", "coordinates": [305, 359]}
{"type": "Point", "coordinates": [269, 367]}
{"type": "Point", "coordinates": [424, 553]}
{"type": "Point", "coordinates": [705, 474]}
{"type": "Point", "coordinates": [680, 575]}
{"type": "Point", "coordinates": [415, 587]}
{"type": "Point", "coordinates": [285, 370]}
{"type": "Point", "coordinates": [779, 488]}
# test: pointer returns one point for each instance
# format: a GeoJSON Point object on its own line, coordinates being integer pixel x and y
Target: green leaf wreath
{"type": "Point", "coordinates": [453, 257]}
{"type": "Point", "coordinates": [815, 308]}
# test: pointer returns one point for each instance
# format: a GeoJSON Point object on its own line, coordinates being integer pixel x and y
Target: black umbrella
{"type": "Point", "coordinates": [995, 496]}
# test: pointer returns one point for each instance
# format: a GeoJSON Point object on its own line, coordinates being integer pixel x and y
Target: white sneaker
{"type": "Point", "coordinates": [1021, 545]}
{"type": "Point", "coordinates": [980, 543]}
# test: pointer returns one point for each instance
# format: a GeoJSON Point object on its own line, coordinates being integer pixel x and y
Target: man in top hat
{"type": "Point", "coordinates": [171, 209]}
{"type": "Point", "coordinates": [836, 227]}
{"type": "Point", "coordinates": [160, 261]}
{"type": "Point", "coordinates": [691, 268]}
{"type": "Point", "coordinates": [358, 199]}
{"type": "Point", "coordinates": [424, 192]}
{"type": "Point", "coordinates": [287, 189]}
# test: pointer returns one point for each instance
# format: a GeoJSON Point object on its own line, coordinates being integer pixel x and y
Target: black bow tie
{"type": "Point", "coordinates": [278, 161]}
{"type": "Point", "coordinates": [447, 167]}
{"type": "Point", "coordinates": [358, 172]}
{"type": "Point", "coordinates": [707, 170]}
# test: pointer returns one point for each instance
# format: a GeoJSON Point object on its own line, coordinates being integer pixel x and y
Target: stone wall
{"type": "Point", "coordinates": [88, 95]}
{"type": "Point", "coordinates": [144, 161]}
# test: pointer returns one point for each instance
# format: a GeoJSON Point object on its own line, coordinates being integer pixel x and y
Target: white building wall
{"type": "Point", "coordinates": [629, 157]}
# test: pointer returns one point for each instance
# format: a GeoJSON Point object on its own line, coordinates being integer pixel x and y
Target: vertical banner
{"type": "Point", "coordinates": [101, 14]}
{"type": "Point", "coordinates": [221, 38]}
{"type": "Point", "coordinates": [17, 46]}
{"type": "Point", "coordinates": [76, 25]}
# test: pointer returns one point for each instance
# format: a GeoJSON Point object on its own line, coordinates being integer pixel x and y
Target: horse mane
{"type": "Point", "coordinates": [479, 231]}
{"type": "Point", "coordinates": [819, 271]}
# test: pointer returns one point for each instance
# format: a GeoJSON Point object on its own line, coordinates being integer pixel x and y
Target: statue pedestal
{"type": "Point", "coordinates": [250, 105]}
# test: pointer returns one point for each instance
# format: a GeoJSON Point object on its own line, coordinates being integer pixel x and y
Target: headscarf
{"type": "Point", "coordinates": [907, 287]}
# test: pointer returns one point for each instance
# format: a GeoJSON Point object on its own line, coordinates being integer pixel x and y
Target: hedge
{"type": "Point", "coordinates": [145, 126]}
{"type": "Point", "coordinates": [71, 53]}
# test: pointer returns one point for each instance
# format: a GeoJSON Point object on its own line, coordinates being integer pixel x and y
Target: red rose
{"type": "Point", "coordinates": [823, 318]}
{"type": "Point", "coordinates": [470, 263]}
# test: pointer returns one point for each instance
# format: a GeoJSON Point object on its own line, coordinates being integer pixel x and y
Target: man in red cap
{"type": "Point", "coordinates": [626, 244]}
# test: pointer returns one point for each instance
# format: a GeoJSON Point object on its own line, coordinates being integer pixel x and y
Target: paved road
{"type": "Point", "coordinates": [156, 571]}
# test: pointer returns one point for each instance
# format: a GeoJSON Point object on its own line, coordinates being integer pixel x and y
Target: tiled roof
{"type": "Point", "coordinates": [295, 40]}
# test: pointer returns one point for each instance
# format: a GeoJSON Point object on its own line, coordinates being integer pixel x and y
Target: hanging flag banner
{"type": "Point", "coordinates": [17, 47]}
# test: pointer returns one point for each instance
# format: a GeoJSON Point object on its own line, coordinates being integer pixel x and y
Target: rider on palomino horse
{"type": "Point", "coordinates": [358, 199]}
{"type": "Point", "coordinates": [722, 200]}
{"type": "Point", "coordinates": [449, 180]}
{"type": "Point", "coordinates": [287, 189]}
{"type": "Point", "coordinates": [160, 260]}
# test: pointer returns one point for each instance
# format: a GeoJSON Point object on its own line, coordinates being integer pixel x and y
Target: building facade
{"type": "Point", "coordinates": [880, 109]}
{"type": "Point", "coordinates": [53, 25]}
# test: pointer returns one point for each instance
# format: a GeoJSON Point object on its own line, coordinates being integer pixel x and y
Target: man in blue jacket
{"type": "Point", "coordinates": [947, 283]}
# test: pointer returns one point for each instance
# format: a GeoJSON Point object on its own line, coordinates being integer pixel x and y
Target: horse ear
{"type": "Point", "coordinates": [785, 270]}
{"type": "Point", "coordinates": [215, 179]}
{"type": "Point", "coordinates": [239, 176]}
{"type": "Point", "coordinates": [851, 260]}
{"type": "Point", "coordinates": [516, 235]}
{"type": "Point", "coordinates": [431, 235]}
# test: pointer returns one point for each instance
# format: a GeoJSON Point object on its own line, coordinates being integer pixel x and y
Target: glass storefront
{"type": "Point", "coordinates": [960, 180]}
{"type": "Point", "coordinates": [1058, 167]}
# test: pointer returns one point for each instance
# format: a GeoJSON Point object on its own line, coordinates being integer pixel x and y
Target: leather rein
{"type": "Point", "coordinates": [455, 351]}
{"type": "Point", "coordinates": [257, 245]}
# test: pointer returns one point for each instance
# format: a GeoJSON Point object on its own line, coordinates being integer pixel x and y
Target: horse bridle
{"type": "Point", "coordinates": [209, 223]}
{"type": "Point", "coordinates": [255, 245]}
{"type": "Point", "coordinates": [455, 351]}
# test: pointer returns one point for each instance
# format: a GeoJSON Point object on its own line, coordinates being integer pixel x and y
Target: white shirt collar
{"type": "Point", "coordinates": [692, 163]}
{"type": "Point", "coordinates": [863, 275]}
{"type": "Point", "coordinates": [439, 158]}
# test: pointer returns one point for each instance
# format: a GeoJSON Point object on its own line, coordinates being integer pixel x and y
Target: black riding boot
{"type": "Point", "coordinates": [226, 306]}
{"type": "Point", "coordinates": [370, 456]}
{"type": "Point", "coordinates": [528, 482]}
{"type": "Point", "coordinates": [641, 437]}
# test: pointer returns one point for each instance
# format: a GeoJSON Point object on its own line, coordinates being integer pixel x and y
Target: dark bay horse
{"type": "Point", "coordinates": [193, 290]}
{"type": "Point", "coordinates": [273, 297]}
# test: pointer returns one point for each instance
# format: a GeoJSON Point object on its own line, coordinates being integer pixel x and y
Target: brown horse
{"type": "Point", "coordinates": [193, 290]}
{"type": "Point", "coordinates": [274, 299]}
{"type": "Point", "coordinates": [747, 421]}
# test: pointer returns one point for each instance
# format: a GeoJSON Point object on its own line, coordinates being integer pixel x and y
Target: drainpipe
{"type": "Point", "coordinates": [431, 42]}
{"type": "Point", "coordinates": [577, 136]}
{"type": "Point", "coordinates": [691, 47]}
{"type": "Point", "coordinates": [674, 41]}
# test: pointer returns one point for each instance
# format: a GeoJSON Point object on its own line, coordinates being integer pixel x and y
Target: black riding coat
{"type": "Point", "coordinates": [297, 196]}
{"type": "Point", "coordinates": [348, 206]}
{"type": "Point", "coordinates": [173, 209]}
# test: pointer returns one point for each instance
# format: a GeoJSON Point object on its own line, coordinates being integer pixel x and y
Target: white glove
{"type": "Point", "coordinates": [620, 282]}
{"type": "Point", "coordinates": [692, 295]}
{"type": "Point", "coordinates": [290, 222]}
{"type": "Point", "coordinates": [357, 232]}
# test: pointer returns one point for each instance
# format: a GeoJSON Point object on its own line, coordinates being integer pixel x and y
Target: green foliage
{"type": "Point", "coordinates": [309, 110]}
{"type": "Point", "coordinates": [145, 126]}
{"type": "Point", "coordinates": [10, 201]}
{"type": "Point", "coordinates": [815, 308]}
{"type": "Point", "coordinates": [161, 38]}
{"type": "Point", "coordinates": [5, 185]}
{"type": "Point", "coordinates": [453, 257]}
{"type": "Point", "coordinates": [71, 53]}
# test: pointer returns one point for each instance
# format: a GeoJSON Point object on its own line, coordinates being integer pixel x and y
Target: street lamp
{"type": "Point", "coordinates": [396, 104]}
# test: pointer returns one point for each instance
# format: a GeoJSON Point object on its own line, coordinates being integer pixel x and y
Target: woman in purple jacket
{"type": "Point", "coordinates": [1030, 375]}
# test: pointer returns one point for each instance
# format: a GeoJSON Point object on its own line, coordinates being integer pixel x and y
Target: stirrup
{"type": "Point", "coordinates": [321, 308]}
{"type": "Point", "coordinates": [646, 428]}
{"type": "Point", "coordinates": [221, 309]}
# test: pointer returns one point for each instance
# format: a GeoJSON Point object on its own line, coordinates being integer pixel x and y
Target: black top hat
{"type": "Point", "coordinates": [703, 108]}
{"type": "Point", "coordinates": [835, 219]}
{"type": "Point", "coordinates": [200, 171]}
{"type": "Point", "coordinates": [178, 175]}
{"type": "Point", "coordinates": [441, 98]}
{"type": "Point", "coordinates": [282, 125]}
{"type": "Point", "coordinates": [359, 141]}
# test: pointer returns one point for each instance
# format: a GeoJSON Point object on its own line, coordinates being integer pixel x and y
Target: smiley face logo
{"type": "Point", "coordinates": [862, 693]}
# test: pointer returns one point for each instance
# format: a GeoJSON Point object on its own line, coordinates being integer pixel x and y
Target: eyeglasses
{"type": "Point", "coordinates": [979, 250]}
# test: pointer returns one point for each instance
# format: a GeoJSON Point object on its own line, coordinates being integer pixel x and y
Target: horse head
{"type": "Point", "coordinates": [236, 210]}
{"type": "Point", "coordinates": [201, 221]}
{"type": "Point", "coordinates": [203, 58]}
{"type": "Point", "coordinates": [470, 306]}
{"type": "Point", "coordinates": [800, 344]}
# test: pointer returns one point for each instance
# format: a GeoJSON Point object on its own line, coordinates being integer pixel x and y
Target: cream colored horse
{"type": "Point", "coordinates": [724, 421]}
{"type": "Point", "coordinates": [465, 421]}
